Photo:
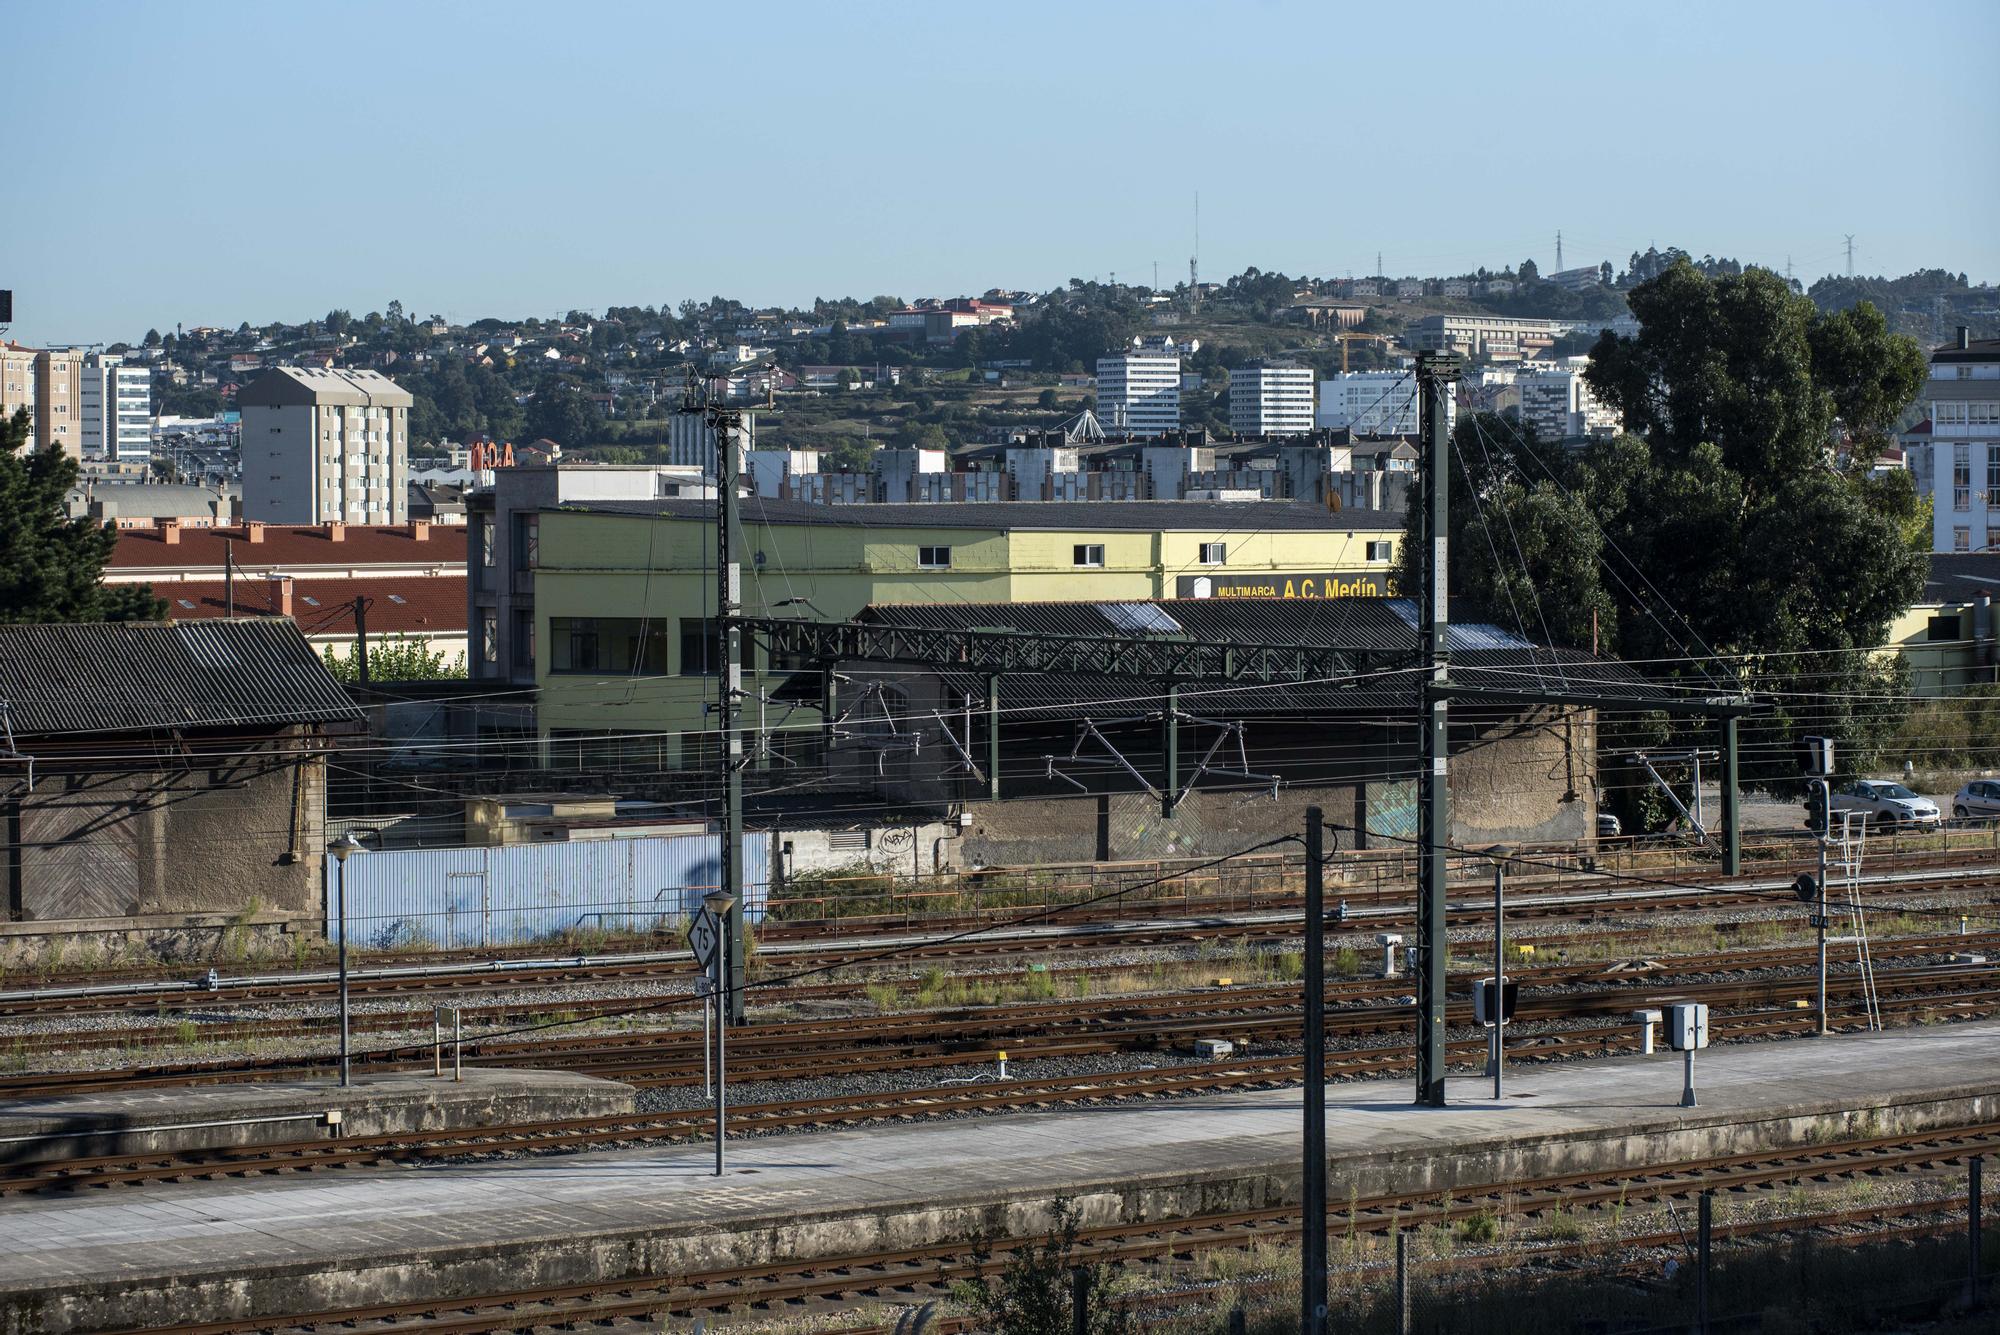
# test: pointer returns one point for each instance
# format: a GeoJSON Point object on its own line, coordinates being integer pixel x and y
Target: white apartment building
{"type": "Point", "coordinates": [1139, 392]}
{"type": "Point", "coordinates": [1558, 403]}
{"type": "Point", "coordinates": [1271, 399]}
{"type": "Point", "coordinates": [321, 446]}
{"type": "Point", "coordinates": [117, 404]}
{"type": "Point", "coordinates": [1370, 403]}
{"type": "Point", "coordinates": [1964, 394]}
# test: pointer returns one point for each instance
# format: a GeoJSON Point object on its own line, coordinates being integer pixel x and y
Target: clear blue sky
{"type": "Point", "coordinates": [216, 162]}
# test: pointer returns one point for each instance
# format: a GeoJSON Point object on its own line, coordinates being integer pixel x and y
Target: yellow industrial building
{"type": "Point", "coordinates": [624, 590]}
{"type": "Point", "coordinates": [1949, 637]}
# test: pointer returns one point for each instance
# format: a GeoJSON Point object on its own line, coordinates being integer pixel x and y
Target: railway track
{"type": "Point", "coordinates": [900, 1275]}
{"type": "Point", "coordinates": [804, 945]}
{"type": "Point", "coordinates": [932, 1101]}
{"type": "Point", "coordinates": [169, 1031]}
{"type": "Point", "coordinates": [859, 1044]}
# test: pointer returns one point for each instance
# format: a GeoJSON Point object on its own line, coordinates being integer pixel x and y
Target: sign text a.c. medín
{"type": "Point", "coordinates": [1355, 584]}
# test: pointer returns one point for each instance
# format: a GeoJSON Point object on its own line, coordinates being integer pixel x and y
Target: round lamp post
{"type": "Point", "coordinates": [340, 848]}
{"type": "Point", "coordinates": [718, 903]}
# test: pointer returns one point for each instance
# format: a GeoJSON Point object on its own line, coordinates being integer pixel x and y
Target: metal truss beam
{"type": "Point", "coordinates": [1007, 651]}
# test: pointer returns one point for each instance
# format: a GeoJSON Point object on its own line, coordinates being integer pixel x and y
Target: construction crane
{"type": "Point", "coordinates": [1347, 336]}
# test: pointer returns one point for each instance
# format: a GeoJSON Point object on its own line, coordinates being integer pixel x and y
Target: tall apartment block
{"type": "Point", "coordinates": [325, 446]}
{"type": "Point", "coordinates": [1139, 392]}
{"type": "Point", "coordinates": [1271, 399]}
{"type": "Point", "coordinates": [1560, 406]}
{"type": "Point", "coordinates": [59, 401]}
{"type": "Point", "coordinates": [1964, 397]}
{"type": "Point", "coordinates": [117, 408]}
{"type": "Point", "coordinates": [17, 382]}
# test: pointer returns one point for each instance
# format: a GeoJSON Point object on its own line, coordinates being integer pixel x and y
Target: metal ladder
{"type": "Point", "coordinates": [1845, 861]}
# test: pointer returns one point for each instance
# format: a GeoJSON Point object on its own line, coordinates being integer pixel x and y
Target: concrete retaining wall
{"type": "Point", "coordinates": [214, 1117]}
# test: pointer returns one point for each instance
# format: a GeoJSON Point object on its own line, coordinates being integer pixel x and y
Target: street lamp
{"type": "Point", "coordinates": [340, 848]}
{"type": "Point", "coordinates": [718, 903]}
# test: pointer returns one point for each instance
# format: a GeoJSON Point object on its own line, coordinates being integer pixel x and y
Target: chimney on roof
{"type": "Point", "coordinates": [1964, 339]}
{"type": "Point", "coordinates": [281, 595]}
{"type": "Point", "coordinates": [253, 530]}
{"type": "Point", "coordinates": [170, 532]}
{"type": "Point", "coordinates": [420, 529]}
{"type": "Point", "coordinates": [336, 532]}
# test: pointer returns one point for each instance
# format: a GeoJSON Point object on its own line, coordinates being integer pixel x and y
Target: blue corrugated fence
{"type": "Point", "coordinates": [522, 893]}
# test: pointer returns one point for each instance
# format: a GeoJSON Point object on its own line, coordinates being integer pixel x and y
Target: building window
{"type": "Point", "coordinates": [524, 640]}
{"type": "Point", "coordinates": [621, 645]}
{"type": "Point", "coordinates": [1961, 477]}
{"type": "Point", "coordinates": [1961, 539]}
{"type": "Point", "coordinates": [1379, 551]}
{"type": "Point", "coordinates": [483, 535]}
{"type": "Point", "coordinates": [1087, 554]}
{"type": "Point", "coordinates": [934, 558]}
{"type": "Point", "coordinates": [1942, 628]}
{"type": "Point", "coordinates": [1215, 553]}
{"type": "Point", "coordinates": [489, 637]}
{"type": "Point", "coordinates": [527, 541]}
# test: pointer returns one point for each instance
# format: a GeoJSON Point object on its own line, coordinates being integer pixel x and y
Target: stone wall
{"type": "Point", "coordinates": [220, 833]}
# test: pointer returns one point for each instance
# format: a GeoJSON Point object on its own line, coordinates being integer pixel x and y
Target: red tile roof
{"type": "Point", "coordinates": [290, 545]}
{"type": "Point", "coordinates": [428, 606]}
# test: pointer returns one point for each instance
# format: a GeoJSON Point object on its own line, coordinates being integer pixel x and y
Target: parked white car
{"type": "Point", "coordinates": [1886, 803]}
{"type": "Point", "coordinates": [1978, 800]}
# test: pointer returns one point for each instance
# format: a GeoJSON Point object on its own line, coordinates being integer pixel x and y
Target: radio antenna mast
{"type": "Point", "coordinates": [1194, 260]}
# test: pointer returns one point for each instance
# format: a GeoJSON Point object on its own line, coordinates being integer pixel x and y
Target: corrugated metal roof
{"type": "Point", "coordinates": [1109, 516]}
{"type": "Point", "coordinates": [1357, 623]}
{"type": "Point", "coordinates": [141, 677]}
{"type": "Point", "coordinates": [1960, 577]}
{"type": "Point", "coordinates": [1483, 657]}
{"type": "Point", "coordinates": [1029, 696]}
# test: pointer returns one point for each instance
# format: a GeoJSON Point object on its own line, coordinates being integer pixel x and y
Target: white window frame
{"type": "Point", "coordinates": [1214, 554]}
{"type": "Point", "coordinates": [1087, 556]}
{"type": "Point", "coordinates": [934, 558]}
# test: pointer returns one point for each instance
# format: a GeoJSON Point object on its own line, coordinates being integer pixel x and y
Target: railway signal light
{"type": "Point", "coordinates": [1815, 805]}
{"type": "Point", "coordinates": [1806, 887]}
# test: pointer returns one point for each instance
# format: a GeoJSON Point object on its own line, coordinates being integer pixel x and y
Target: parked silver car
{"type": "Point", "coordinates": [1886, 803]}
{"type": "Point", "coordinates": [1978, 800]}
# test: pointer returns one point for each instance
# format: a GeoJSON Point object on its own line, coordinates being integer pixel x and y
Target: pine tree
{"type": "Point", "coordinates": [52, 566]}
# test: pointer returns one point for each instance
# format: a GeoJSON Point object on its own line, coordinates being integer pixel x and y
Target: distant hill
{"type": "Point", "coordinates": [1928, 305]}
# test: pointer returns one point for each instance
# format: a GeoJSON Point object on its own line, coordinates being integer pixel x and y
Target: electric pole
{"type": "Point", "coordinates": [1850, 254]}
{"type": "Point", "coordinates": [726, 425]}
{"type": "Point", "coordinates": [1559, 250]}
{"type": "Point", "coordinates": [1312, 1193]}
{"type": "Point", "coordinates": [1436, 373]}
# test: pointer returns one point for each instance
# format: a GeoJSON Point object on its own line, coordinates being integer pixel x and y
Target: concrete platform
{"type": "Point", "coordinates": [209, 1116]}
{"type": "Point", "coordinates": [267, 1246]}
